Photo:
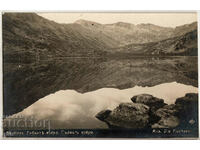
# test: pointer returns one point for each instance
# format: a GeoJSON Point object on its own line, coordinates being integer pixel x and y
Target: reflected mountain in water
{"type": "Point", "coordinates": [25, 83]}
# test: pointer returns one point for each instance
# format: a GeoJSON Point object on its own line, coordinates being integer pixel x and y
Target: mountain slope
{"type": "Point", "coordinates": [183, 29]}
{"type": "Point", "coordinates": [28, 36]}
{"type": "Point", "coordinates": [181, 45]}
{"type": "Point", "coordinates": [127, 33]}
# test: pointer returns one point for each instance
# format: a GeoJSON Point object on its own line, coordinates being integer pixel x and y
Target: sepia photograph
{"type": "Point", "coordinates": [100, 74]}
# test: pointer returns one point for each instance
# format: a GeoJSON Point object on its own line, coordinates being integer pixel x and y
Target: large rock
{"type": "Point", "coordinates": [126, 115]}
{"type": "Point", "coordinates": [187, 107]}
{"type": "Point", "coordinates": [149, 100]}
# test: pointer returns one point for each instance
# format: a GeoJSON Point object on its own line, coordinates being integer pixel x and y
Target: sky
{"type": "Point", "coordinates": [161, 19]}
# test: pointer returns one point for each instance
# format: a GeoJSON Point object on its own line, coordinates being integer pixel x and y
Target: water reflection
{"type": "Point", "coordinates": [26, 83]}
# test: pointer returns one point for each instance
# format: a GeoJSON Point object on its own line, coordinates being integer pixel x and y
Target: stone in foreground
{"type": "Point", "coordinates": [127, 115]}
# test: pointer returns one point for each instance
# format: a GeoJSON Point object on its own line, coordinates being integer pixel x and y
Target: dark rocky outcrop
{"type": "Point", "coordinates": [147, 111]}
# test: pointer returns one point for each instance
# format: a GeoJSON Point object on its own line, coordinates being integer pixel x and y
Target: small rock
{"type": "Point", "coordinates": [168, 122]}
{"type": "Point", "coordinates": [102, 115]}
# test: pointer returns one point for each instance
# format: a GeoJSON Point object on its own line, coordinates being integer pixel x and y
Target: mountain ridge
{"type": "Point", "coordinates": [29, 37]}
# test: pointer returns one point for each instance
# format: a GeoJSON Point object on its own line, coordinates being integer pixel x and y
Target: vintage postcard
{"type": "Point", "coordinates": [100, 75]}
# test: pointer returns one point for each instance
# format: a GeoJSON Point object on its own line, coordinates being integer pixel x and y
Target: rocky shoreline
{"type": "Point", "coordinates": [147, 111]}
